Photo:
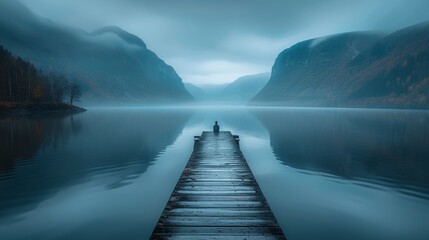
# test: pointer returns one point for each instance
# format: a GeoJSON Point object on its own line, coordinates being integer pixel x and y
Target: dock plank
{"type": "Point", "coordinates": [217, 197]}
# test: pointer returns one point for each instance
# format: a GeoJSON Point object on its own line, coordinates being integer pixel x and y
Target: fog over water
{"type": "Point", "coordinates": [107, 173]}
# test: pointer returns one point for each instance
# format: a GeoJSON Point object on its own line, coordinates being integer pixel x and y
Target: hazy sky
{"type": "Point", "coordinates": [217, 41]}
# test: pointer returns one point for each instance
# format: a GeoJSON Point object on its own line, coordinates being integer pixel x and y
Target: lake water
{"type": "Point", "coordinates": [107, 173]}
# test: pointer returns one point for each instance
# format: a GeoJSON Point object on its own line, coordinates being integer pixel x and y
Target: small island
{"type": "Point", "coordinates": [25, 90]}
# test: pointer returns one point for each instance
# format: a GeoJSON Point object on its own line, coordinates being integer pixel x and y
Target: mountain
{"type": "Point", "coordinates": [358, 69]}
{"type": "Point", "coordinates": [239, 91]}
{"type": "Point", "coordinates": [195, 91]}
{"type": "Point", "coordinates": [110, 64]}
{"type": "Point", "coordinates": [245, 88]}
{"type": "Point", "coordinates": [206, 92]}
{"type": "Point", "coordinates": [213, 92]}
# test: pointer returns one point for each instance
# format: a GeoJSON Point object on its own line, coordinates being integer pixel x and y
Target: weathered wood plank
{"type": "Point", "coordinates": [211, 237]}
{"type": "Point", "coordinates": [203, 179]}
{"type": "Point", "coordinates": [217, 204]}
{"type": "Point", "coordinates": [216, 183]}
{"type": "Point", "coordinates": [217, 197]}
{"type": "Point", "coordinates": [217, 186]}
{"type": "Point", "coordinates": [219, 222]}
{"type": "Point", "coordinates": [241, 231]}
{"type": "Point", "coordinates": [219, 212]}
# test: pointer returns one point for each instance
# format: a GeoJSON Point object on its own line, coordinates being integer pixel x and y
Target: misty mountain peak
{"type": "Point", "coordinates": [354, 69]}
{"type": "Point", "coordinates": [124, 35]}
{"type": "Point", "coordinates": [12, 10]}
{"type": "Point", "coordinates": [106, 68]}
{"type": "Point", "coordinates": [14, 7]}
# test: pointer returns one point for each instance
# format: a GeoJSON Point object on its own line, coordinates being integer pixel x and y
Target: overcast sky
{"type": "Point", "coordinates": [217, 41]}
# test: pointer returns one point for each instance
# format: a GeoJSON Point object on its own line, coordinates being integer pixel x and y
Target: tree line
{"type": "Point", "coordinates": [20, 81]}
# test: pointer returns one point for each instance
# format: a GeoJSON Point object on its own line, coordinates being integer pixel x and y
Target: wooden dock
{"type": "Point", "coordinates": [217, 196]}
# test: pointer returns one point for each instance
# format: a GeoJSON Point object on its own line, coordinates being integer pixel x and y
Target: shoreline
{"type": "Point", "coordinates": [7, 108]}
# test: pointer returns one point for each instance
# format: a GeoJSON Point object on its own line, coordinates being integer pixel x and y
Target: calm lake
{"type": "Point", "coordinates": [108, 173]}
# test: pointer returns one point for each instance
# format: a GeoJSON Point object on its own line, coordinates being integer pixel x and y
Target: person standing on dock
{"type": "Point", "coordinates": [216, 127]}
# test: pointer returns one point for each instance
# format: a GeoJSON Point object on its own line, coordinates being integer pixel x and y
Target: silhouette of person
{"type": "Point", "coordinates": [216, 127]}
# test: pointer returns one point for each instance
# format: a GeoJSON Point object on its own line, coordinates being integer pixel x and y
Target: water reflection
{"type": "Point", "coordinates": [41, 156]}
{"type": "Point", "coordinates": [22, 137]}
{"type": "Point", "coordinates": [379, 146]}
{"type": "Point", "coordinates": [108, 173]}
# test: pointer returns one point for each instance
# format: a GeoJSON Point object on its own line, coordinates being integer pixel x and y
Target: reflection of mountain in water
{"type": "Point", "coordinates": [109, 147]}
{"type": "Point", "coordinates": [376, 146]}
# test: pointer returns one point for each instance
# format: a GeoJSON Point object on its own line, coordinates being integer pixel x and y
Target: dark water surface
{"type": "Point", "coordinates": [107, 173]}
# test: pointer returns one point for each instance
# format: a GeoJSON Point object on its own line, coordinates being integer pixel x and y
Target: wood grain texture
{"type": "Point", "coordinates": [217, 197]}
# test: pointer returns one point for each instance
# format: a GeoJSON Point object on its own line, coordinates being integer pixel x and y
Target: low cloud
{"type": "Point", "coordinates": [218, 41]}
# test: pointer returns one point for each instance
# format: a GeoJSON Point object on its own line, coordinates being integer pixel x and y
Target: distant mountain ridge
{"type": "Point", "coordinates": [357, 69]}
{"type": "Point", "coordinates": [197, 92]}
{"type": "Point", "coordinates": [110, 64]}
{"type": "Point", "coordinates": [239, 91]}
{"type": "Point", "coordinates": [245, 88]}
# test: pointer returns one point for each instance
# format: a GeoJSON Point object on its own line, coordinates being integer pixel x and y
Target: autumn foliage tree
{"type": "Point", "coordinates": [21, 82]}
{"type": "Point", "coordinates": [37, 92]}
